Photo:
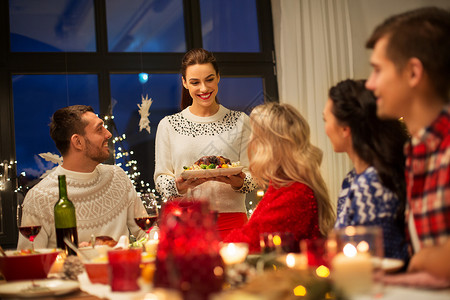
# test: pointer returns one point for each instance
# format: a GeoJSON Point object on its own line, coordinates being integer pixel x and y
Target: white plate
{"type": "Point", "coordinates": [41, 288]}
{"type": "Point", "coordinates": [390, 265]}
{"type": "Point", "coordinates": [205, 173]}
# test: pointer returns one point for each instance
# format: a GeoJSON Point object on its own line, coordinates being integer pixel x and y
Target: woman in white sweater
{"type": "Point", "coordinates": [204, 128]}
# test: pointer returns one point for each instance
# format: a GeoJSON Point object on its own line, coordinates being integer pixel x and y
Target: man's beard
{"type": "Point", "coordinates": [95, 153]}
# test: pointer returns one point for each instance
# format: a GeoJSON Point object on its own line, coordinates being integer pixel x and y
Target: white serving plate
{"type": "Point", "coordinates": [38, 288]}
{"type": "Point", "coordinates": [207, 173]}
{"type": "Point", "coordinates": [391, 265]}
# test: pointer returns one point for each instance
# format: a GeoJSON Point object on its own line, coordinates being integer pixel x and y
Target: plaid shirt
{"type": "Point", "coordinates": [428, 180]}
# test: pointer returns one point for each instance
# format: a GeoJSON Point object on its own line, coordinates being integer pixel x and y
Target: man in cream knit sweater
{"type": "Point", "coordinates": [103, 195]}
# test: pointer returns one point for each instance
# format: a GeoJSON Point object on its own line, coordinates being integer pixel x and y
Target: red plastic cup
{"type": "Point", "coordinates": [97, 272]}
{"type": "Point", "coordinates": [124, 269]}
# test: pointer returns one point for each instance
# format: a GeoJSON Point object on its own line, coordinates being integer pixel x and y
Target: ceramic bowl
{"type": "Point", "coordinates": [16, 266]}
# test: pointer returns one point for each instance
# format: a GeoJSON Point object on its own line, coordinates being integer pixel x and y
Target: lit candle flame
{"type": "Point", "coordinates": [234, 253]}
{"type": "Point", "coordinates": [350, 250]}
{"type": "Point", "coordinates": [231, 249]}
{"type": "Point", "coordinates": [363, 246]}
{"type": "Point", "coordinates": [300, 290]}
{"type": "Point", "coordinates": [323, 271]}
{"type": "Point", "coordinates": [290, 260]}
{"type": "Point", "coordinates": [277, 240]}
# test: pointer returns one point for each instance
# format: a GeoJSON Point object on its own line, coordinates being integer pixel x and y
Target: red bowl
{"type": "Point", "coordinates": [29, 266]}
{"type": "Point", "coordinates": [97, 272]}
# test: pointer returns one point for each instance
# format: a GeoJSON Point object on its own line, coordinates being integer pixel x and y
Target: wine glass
{"type": "Point", "coordinates": [28, 227]}
{"type": "Point", "coordinates": [146, 212]}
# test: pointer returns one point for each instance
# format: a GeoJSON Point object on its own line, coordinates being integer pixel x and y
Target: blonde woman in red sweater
{"type": "Point", "coordinates": [283, 160]}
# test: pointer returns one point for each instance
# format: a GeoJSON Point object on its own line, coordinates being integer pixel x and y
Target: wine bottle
{"type": "Point", "coordinates": [65, 218]}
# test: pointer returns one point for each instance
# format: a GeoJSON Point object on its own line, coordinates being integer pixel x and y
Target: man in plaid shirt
{"type": "Point", "coordinates": [411, 79]}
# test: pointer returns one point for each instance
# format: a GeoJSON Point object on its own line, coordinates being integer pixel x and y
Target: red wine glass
{"type": "Point", "coordinates": [146, 212]}
{"type": "Point", "coordinates": [28, 225]}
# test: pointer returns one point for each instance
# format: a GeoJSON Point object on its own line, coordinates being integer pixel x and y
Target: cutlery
{"type": "Point", "coordinates": [74, 248]}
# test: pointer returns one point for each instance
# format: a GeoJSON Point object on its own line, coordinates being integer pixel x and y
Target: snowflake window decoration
{"type": "Point", "coordinates": [144, 108]}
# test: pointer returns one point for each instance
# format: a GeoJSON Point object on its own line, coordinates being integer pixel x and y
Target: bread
{"type": "Point", "coordinates": [105, 240]}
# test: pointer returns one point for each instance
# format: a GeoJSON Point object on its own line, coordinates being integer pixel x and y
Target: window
{"type": "Point", "coordinates": [56, 53]}
{"type": "Point", "coordinates": [36, 98]}
{"type": "Point", "coordinates": [230, 26]}
{"type": "Point", "coordinates": [127, 93]}
{"type": "Point", "coordinates": [52, 25]}
{"type": "Point", "coordinates": [147, 26]}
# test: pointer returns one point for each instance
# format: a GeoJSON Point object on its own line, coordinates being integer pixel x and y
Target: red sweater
{"type": "Point", "coordinates": [291, 208]}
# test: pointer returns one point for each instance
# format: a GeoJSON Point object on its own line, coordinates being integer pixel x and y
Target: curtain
{"type": "Point", "coordinates": [313, 45]}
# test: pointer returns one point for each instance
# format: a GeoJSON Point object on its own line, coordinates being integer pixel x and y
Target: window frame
{"type": "Point", "coordinates": [103, 63]}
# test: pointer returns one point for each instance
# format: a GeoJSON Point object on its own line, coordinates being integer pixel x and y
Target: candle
{"type": "Point", "coordinates": [233, 253]}
{"type": "Point", "coordinates": [57, 266]}
{"type": "Point", "coordinates": [151, 246]}
{"type": "Point", "coordinates": [352, 271]}
{"type": "Point", "coordinates": [297, 261]}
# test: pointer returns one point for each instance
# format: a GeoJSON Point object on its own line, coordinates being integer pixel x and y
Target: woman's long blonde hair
{"type": "Point", "coordinates": [280, 153]}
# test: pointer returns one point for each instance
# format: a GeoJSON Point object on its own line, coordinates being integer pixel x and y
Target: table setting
{"type": "Point", "coordinates": [182, 257]}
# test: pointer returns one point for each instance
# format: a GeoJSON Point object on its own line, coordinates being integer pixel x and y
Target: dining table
{"type": "Point", "coordinates": [396, 292]}
{"type": "Point", "coordinates": [89, 291]}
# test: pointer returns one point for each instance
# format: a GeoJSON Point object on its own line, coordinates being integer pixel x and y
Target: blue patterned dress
{"type": "Point", "coordinates": [363, 200]}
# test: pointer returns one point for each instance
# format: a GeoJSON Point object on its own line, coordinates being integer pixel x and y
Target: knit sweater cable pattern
{"type": "Point", "coordinates": [104, 204]}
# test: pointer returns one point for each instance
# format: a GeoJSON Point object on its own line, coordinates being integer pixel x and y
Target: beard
{"type": "Point", "coordinates": [98, 154]}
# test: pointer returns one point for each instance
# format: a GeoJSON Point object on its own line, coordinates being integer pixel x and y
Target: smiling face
{"type": "Point", "coordinates": [202, 82]}
{"type": "Point", "coordinates": [96, 138]}
{"type": "Point", "coordinates": [389, 84]}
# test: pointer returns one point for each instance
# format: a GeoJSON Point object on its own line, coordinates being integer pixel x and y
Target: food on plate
{"type": "Point", "coordinates": [26, 252]}
{"type": "Point", "coordinates": [105, 240]}
{"type": "Point", "coordinates": [23, 252]}
{"type": "Point", "coordinates": [100, 259]}
{"type": "Point", "coordinates": [100, 241]}
{"type": "Point", "coordinates": [148, 270]}
{"type": "Point", "coordinates": [212, 162]}
{"type": "Point", "coordinates": [139, 243]}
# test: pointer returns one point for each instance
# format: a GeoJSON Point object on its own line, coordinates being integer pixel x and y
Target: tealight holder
{"type": "Point", "coordinates": [233, 253]}
{"type": "Point", "coordinates": [234, 256]}
{"type": "Point", "coordinates": [151, 246]}
{"type": "Point", "coordinates": [357, 253]}
{"type": "Point", "coordinates": [298, 261]}
{"type": "Point", "coordinates": [278, 242]}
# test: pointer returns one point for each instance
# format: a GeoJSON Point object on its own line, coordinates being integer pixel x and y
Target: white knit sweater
{"type": "Point", "coordinates": [104, 205]}
{"type": "Point", "coordinates": [183, 138]}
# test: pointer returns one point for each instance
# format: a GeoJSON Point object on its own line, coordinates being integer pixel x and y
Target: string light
{"type": "Point", "coordinates": [5, 173]}
{"type": "Point", "coordinates": [123, 159]}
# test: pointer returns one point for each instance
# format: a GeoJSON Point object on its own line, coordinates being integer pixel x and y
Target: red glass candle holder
{"type": "Point", "coordinates": [188, 253]}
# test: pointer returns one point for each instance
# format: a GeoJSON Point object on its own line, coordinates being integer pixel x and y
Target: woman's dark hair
{"type": "Point", "coordinates": [377, 142]}
{"type": "Point", "coordinates": [197, 56]}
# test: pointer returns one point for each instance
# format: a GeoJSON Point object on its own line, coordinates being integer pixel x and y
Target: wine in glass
{"type": "Point", "coordinates": [146, 212]}
{"type": "Point", "coordinates": [28, 227]}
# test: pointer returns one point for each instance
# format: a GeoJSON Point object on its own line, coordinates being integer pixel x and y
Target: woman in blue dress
{"type": "Point", "coordinates": [373, 192]}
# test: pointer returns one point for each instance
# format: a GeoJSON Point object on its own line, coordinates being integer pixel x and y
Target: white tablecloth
{"type": "Point", "coordinates": [389, 292]}
{"type": "Point", "coordinates": [104, 290]}
{"type": "Point", "coordinates": [407, 293]}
